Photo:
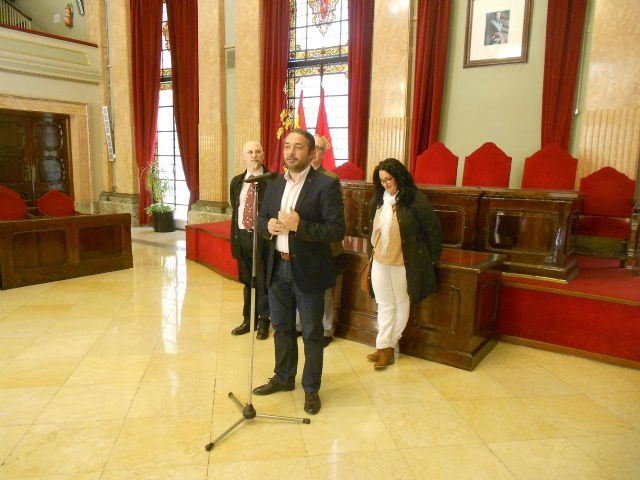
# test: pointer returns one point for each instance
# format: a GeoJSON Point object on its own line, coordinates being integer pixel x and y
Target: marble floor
{"type": "Point", "coordinates": [126, 375]}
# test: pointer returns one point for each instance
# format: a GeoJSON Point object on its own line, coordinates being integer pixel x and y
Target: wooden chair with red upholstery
{"type": "Point", "coordinates": [55, 203]}
{"type": "Point", "coordinates": [550, 168]}
{"type": "Point", "coordinates": [437, 165]}
{"type": "Point", "coordinates": [349, 171]}
{"type": "Point", "coordinates": [604, 226]}
{"type": "Point", "coordinates": [12, 207]}
{"type": "Point", "coordinates": [488, 166]}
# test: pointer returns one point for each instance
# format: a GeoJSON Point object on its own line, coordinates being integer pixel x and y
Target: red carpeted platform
{"type": "Point", "coordinates": [210, 245]}
{"type": "Point", "coordinates": [597, 312]}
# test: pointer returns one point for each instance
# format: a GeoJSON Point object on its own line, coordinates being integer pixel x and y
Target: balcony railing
{"type": "Point", "coordinates": [10, 15]}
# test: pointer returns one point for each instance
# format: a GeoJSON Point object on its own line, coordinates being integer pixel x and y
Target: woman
{"type": "Point", "coordinates": [407, 241]}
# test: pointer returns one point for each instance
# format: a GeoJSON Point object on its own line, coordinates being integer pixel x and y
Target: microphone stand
{"type": "Point", "coordinates": [248, 411]}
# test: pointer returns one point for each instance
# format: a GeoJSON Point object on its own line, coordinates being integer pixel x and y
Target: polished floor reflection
{"type": "Point", "coordinates": [125, 375]}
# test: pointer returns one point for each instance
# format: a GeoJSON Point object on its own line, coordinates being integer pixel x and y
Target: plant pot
{"type": "Point", "coordinates": [163, 222]}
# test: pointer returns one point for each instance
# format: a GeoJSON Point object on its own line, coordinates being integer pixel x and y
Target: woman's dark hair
{"type": "Point", "coordinates": [406, 186]}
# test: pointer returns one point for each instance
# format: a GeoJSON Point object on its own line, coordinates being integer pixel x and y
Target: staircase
{"type": "Point", "coordinates": [10, 15]}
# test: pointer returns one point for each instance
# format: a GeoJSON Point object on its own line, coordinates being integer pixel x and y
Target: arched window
{"type": "Point", "coordinates": [318, 58]}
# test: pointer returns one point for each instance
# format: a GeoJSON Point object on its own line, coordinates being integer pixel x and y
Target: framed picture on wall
{"type": "Point", "coordinates": [497, 32]}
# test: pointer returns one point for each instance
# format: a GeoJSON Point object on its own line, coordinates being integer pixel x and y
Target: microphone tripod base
{"type": "Point", "coordinates": [249, 414]}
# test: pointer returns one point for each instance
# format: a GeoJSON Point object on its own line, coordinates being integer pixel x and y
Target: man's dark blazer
{"type": "Point", "coordinates": [321, 213]}
{"type": "Point", "coordinates": [234, 198]}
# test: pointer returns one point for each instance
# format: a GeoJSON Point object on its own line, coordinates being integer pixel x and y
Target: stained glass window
{"type": "Point", "coordinates": [167, 148]}
{"type": "Point", "coordinates": [318, 57]}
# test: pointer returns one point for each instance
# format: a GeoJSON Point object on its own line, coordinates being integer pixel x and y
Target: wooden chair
{"type": "Point", "coordinates": [349, 171]}
{"type": "Point", "coordinates": [437, 165]}
{"type": "Point", "coordinates": [488, 166]}
{"type": "Point", "coordinates": [55, 203]}
{"type": "Point", "coordinates": [550, 168]}
{"type": "Point", "coordinates": [604, 226]}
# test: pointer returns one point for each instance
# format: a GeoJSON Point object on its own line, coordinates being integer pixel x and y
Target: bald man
{"type": "Point", "coordinates": [242, 239]}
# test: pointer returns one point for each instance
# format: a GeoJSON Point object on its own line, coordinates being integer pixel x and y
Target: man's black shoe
{"type": "Point", "coordinates": [263, 329]}
{"type": "Point", "coordinates": [327, 341]}
{"type": "Point", "coordinates": [272, 387]}
{"type": "Point", "coordinates": [241, 329]}
{"type": "Point", "coordinates": [311, 403]}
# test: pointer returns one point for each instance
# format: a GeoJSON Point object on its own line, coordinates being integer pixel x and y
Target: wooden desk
{"type": "Point", "coordinates": [455, 326]}
{"type": "Point", "coordinates": [532, 228]}
{"type": "Point", "coordinates": [47, 249]}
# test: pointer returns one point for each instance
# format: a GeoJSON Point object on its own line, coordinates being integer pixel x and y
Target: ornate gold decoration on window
{"type": "Point", "coordinates": [165, 34]}
{"type": "Point", "coordinates": [324, 12]}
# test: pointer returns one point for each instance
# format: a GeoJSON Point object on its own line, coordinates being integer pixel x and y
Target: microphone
{"type": "Point", "coordinates": [259, 178]}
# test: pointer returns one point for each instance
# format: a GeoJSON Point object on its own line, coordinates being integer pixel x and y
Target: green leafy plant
{"type": "Point", "coordinates": [158, 187]}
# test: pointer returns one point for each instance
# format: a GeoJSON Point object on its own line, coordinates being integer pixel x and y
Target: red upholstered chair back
{"type": "Point", "coordinates": [437, 165]}
{"type": "Point", "coordinates": [551, 168]}
{"type": "Point", "coordinates": [607, 193]}
{"type": "Point", "coordinates": [56, 204]}
{"type": "Point", "coordinates": [12, 207]}
{"type": "Point", "coordinates": [349, 171]}
{"type": "Point", "coordinates": [9, 191]}
{"type": "Point", "coordinates": [488, 166]}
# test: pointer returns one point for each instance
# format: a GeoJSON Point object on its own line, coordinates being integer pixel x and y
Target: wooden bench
{"type": "Point", "coordinates": [46, 249]}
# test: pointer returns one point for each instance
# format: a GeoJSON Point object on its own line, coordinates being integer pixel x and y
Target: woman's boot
{"type": "Point", "coordinates": [385, 358]}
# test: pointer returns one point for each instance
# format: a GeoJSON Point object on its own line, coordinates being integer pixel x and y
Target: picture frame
{"type": "Point", "coordinates": [497, 32]}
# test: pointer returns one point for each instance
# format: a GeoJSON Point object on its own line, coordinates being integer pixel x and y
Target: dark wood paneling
{"type": "Point", "coordinates": [47, 249]}
{"type": "Point", "coordinates": [534, 229]}
{"type": "Point", "coordinates": [455, 326]}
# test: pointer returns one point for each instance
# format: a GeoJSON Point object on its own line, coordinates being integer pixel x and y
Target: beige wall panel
{"type": "Point", "coordinates": [389, 80]}
{"type": "Point", "coordinates": [386, 139]}
{"type": "Point", "coordinates": [245, 131]}
{"type": "Point", "coordinates": [213, 175]}
{"type": "Point", "coordinates": [610, 123]}
{"type": "Point", "coordinates": [212, 156]}
{"type": "Point", "coordinates": [614, 69]}
{"type": "Point", "coordinates": [247, 75]}
{"type": "Point", "coordinates": [126, 170]}
{"type": "Point", "coordinates": [609, 138]}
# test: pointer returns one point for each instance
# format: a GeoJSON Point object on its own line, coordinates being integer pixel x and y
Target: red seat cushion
{"type": "Point", "coordinates": [610, 227]}
{"type": "Point", "coordinates": [12, 207]}
{"type": "Point", "coordinates": [56, 204]}
{"type": "Point", "coordinates": [437, 165]}
{"type": "Point", "coordinates": [349, 171]}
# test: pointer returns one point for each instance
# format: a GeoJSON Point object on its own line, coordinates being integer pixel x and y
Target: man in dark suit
{"type": "Point", "coordinates": [241, 198]}
{"type": "Point", "coordinates": [302, 213]}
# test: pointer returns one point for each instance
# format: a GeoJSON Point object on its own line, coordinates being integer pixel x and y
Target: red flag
{"type": "Point", "coordinates": [300, 121]}
{"type": "Point", "coordinates": [322, 130]}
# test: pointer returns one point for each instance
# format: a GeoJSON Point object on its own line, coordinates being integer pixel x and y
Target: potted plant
{"type": "Point", "coordinates": [161, 213]}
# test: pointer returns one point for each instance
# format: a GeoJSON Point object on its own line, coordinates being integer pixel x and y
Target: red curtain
{"type": "Point", "coordinates": [432, 39]}
{"type": "Point", "coordinates": [275, 53]}
{"type": "Point", "coordinates": [146, 25]}
{"type": "Point", "coordinates": [565, 25]}
{"type": "Point", "coordinates": [183, 38]}
{"type": "Point", "coordinates": [360, 46]}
